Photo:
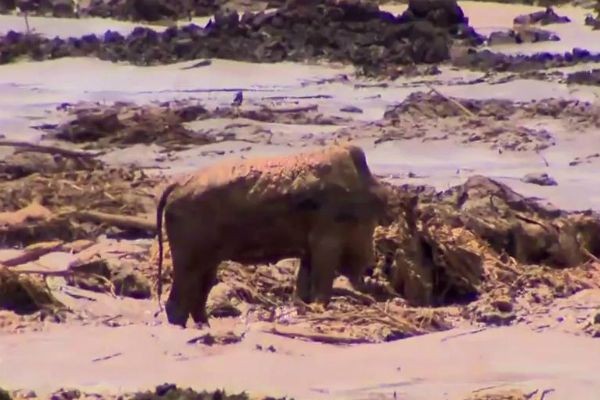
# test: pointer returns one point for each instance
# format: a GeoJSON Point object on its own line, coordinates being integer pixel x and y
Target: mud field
{"type": "Point", "coordinates": [481, 118]}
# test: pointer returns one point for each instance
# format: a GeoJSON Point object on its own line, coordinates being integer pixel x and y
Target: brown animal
{"type": "Point", "coordinates": [321, 207]}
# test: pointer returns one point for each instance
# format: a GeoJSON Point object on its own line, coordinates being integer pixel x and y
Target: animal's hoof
{"type": "Point", "coordinates": [175, 316]}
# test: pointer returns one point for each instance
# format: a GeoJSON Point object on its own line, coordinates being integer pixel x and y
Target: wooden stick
{"type": "Point", "coordinates": [25, 146]}
{"type": "Point", "coordinates": [317, 337]}
{"type": "Point", "coordinates": [311, 107]}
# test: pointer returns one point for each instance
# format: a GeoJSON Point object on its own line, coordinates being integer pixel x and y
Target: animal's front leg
{"type": "Point", "coordinates": [205, 281]}
{"type": "Point", "coordinates": [325, 257]}
{"type": "Point", "coordinates": [303, 291]}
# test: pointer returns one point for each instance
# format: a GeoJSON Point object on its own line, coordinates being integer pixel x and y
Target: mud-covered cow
{"type": "Point", "coordinates": [321, 207]}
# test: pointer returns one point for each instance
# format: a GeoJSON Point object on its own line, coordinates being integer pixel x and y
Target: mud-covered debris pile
{"type": "Point", "coordinates": [355, 32]}
{"type": "Point", "coordinates": [486, 60]}
{"type": "Point", "coordinates": [133, 10]}
{"type": "Point", "coordinates": [543, 17]}
{"type": "Point", "coordinates": [165, 391]}
{"type": "Point", "coordinates": [500, 123]}
{"type": "Point", "coordinates": [433, 105]}
{"type": "Point", "coordinates": [591, 77]}
{"type": "Point", "coordinates": [264, 293]}
{"type": "Point", "coordinates": [123, 124]}
{"type": "Point", "coordinates": [149, 10]}
{"type": "Point", "coordinates": [99, 126]}
{"type": "Point", "coordinates": [47, 8]}
{"type": "Point", "coordinates": [484, 245]}
{"type": "Point", "coordinates": [74, 204]}
{"type": "Point", "coordinates": [521, 34]}
{"type": "Point", "coordinates": [478, 251]}
{"type": "Point", "coordinates": [25, 295]}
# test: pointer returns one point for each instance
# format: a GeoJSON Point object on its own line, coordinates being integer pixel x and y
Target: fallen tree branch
{"type": "Point", "coordinates": [311, 107]}
{"type": "Point", "coordinates": [25, 146]}
{"type": "Point", "coordinates": [316, 337]}
{"type": "Point", "coordinates": [32, 253]}
{"type": "Point", "coordinates": [120, 221]}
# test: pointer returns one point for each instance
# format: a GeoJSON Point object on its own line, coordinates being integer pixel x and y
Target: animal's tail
{"type": "Point", "coordinates": [162, 202]}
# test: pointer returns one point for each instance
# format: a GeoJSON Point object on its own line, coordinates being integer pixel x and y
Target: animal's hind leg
{"type": "Point", "coordinates": [358, 254]}
{"type": "Point", "coordinates": [205, 282]}
{"type": "Point", "coordinates": [303, 280]}
{"type": "Point", "coordinates": [325, 252]}
{"type": "Point", "coordinates": [185, 271]}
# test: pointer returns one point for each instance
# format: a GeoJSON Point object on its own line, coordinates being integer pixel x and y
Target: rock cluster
{"type": "Point", "coordinates": [346, 31]}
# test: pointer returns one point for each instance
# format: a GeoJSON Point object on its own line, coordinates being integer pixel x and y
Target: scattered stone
{"type": "Point", "coordinates": [584, 160]}
{"type": "Point", "coordinates": [66, 394]}
{"type": "Point", "coordinates": [539, 178]}
{"type": "Point", "coordinates": [592, 21]}
{"type": "Point", "coordinates": [351, 109]}
{"type": "Point", "coordinates": [591, 77]}
{"type": "Point", "coordinates": [545, 17]}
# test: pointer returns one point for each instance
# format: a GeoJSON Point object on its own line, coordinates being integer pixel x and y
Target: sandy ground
{"type": "Point", "coordinates": [437, 366]}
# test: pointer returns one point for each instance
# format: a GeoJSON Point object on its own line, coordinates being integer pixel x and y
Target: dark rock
{"type": "Point", "coordinates": [66, 394]}
{"type": "Point", "coordinates": [545, 17]}
{"type": "Point", "coordinates": [351, 109]}
{"type": "Point", "coordinates": [541, 179]}
{"type": "Point", "coordinates": [592, 21]}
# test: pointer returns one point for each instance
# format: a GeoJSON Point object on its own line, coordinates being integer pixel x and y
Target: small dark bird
{"type": "Point", "coordinates": [239, 97]}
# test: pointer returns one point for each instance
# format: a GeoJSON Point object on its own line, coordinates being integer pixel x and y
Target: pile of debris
{"type": "Point", "coordinates": [433, 116]}
{"type": "Point", "coordinates": [166, 391]}
{"type": "Point", "coordinates": [47, 8]}
{"type": "Point", "coordinates": [124, 124]}
{"type": "Point", "coordinates": [486, 60]}
{"type": "Point", "coordinates": [347, 31]}
{"type": "Point", "coordinates": [62, 197]}
{"type": "Point", "coordinates": [478, 252]}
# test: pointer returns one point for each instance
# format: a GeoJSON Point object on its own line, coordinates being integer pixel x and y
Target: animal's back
{"type": "Point", "coordinates": [260, 179]}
